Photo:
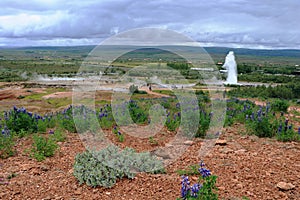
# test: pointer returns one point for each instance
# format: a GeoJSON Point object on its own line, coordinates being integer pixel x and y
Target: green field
{"type": "Point", "coordinates": [17, 64]}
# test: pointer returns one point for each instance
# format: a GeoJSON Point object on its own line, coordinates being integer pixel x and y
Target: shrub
{"type": "Point", "coordinates": [6, 144]}
{"type": "Point", "coordinates": [58, 135]}
{"type": "Point", "coordinates": [261, 127]}
{"type": "Point", "coordinates": [172, 123]}
{"type": "Point", "coordinates": [285, 133]}
{"type": "Point", "coordinates": [133, 89]}
{"type": "Point", "coordinates": [43, 147]}
{"type": "Point", "coordinates": [105, 167]}
{"type": "Point", "coordinates": [118, 134]}
{"type": "Point", "coordinates": [204, 189]}
{"type": "Point", "coordinates": [19, 119]}
{"type": "Point", "coordinates": [42, 126]}
{"type": "Point", "coordinates": [203, 124]}
{"type": "Point", "coordinates": [152, 141]}
{"type": "Point", "coordinates": [137, 112]}
{"type": "Point", "coordinates": [280, 105]}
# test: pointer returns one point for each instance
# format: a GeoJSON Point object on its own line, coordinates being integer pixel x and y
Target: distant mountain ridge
{"type": "Point", "coordinates": [255, 52]}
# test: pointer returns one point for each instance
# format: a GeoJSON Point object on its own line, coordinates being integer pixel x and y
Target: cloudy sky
{"type": "Point", "coordinates": [231, 23]}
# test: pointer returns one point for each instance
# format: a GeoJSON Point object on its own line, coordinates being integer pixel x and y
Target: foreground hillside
{"type": "Point", "coordinates": [246, 166]}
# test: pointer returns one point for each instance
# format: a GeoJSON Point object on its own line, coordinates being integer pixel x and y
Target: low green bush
{"type": "Point", "coordinates": [280, 105]}
{"type": "Point", "coordinates": [58, 136]}
{"type": "Point", "coordinates": [43, 147]}
{"type": "Point", "coordinates": [6, 145]}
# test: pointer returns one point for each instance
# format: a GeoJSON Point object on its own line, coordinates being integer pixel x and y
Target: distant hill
{"type": "Point", "coordinates": [255, 52]}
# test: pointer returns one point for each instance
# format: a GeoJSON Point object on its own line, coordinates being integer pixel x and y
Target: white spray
{"type": "Point", "coordinates": [230, 66]}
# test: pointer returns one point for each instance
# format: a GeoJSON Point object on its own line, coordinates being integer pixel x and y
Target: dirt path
{"type": "Point", "coordinates": [153, 93]}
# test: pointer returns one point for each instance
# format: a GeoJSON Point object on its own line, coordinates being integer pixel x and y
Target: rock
{"type": "Point", "coordinates": [13, 169]}
{"type": "Point", "coordinates": [285, 186]}
{"type": "Point", "coordinates": [169, 145]}
{"type": "Point", "coordinates": [26, 167]}
{"type": "Point", "coordinates": [71, 171]}
{"type": "Point", "coordinates": [240, 151]}
{"type": "Point", "coordinates": [227, 150]}
{"type": "Point", "coordinates": [44, 168]}
{"type": "Point", "coordinates": [35, 171]}
{"type": "Point", "coordinates": [160, 153]}
{"type": "Point", "coordinates": [108, 193]}
{"type": "Point", "coordinates": [188, 142]}
{"type": "Point", "coordinates": [77, 192]}
{"type": "Point", "coordinates": [248, 176]}
{"type": "Point", "coordinates": [222, 188]}
{"type": "Point", "coordinates": [221, 142]}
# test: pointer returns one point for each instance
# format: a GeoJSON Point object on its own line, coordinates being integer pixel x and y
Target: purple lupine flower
{"type": "Point", "coordinates": [168, 114]}
{"type": "Point", "coordinates": [286, 122]}
{"type": "Point", "coordinates": [204, 172]}
{"type": "Point", "coordinates": [259, 119]}
{"type": "Point", "coordinates": [185, 186]}
{"type": "Point", "coordinates": [202, 164]}
{"type": "Point", "coordinates": [268, 107]}
{"type": "Point", "coordinates": [51, 131]}
{"type": "Point", "coordinates": [299, 130]}
{"type": "Point", "coordinates": [280, 128]}
{"type": "Point", "coordinates": [252, 116]}
{"type": "Point", "coordinates": [245, 108]}
{"type": "Point", "coordinates": [195, 189]}
{"type": "Point", "coordinates": [259, 113]}
{"type": "Point", "coordinates": [29, 114]}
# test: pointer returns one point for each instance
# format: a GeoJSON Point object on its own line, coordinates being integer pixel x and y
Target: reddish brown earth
{"type": "Point", "coordinates": [245, 166]}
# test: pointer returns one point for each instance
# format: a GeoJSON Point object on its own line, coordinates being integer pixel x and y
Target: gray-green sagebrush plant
{"type": "Point", "coordinates": [105, 167]}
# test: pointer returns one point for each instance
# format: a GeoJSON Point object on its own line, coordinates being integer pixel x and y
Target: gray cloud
{"type": "Point", "coordinates": [238, 23]}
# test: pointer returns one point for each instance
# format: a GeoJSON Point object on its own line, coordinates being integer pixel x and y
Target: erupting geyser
{"type": "Point", "coordinates": [231, 69]}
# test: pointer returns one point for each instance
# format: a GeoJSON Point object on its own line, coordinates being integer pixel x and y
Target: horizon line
{"type": "Point", "coordinates": [204, 46]}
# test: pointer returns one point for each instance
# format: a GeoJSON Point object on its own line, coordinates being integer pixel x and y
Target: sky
{"type": "Point", "coordinates": [256, 24]}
